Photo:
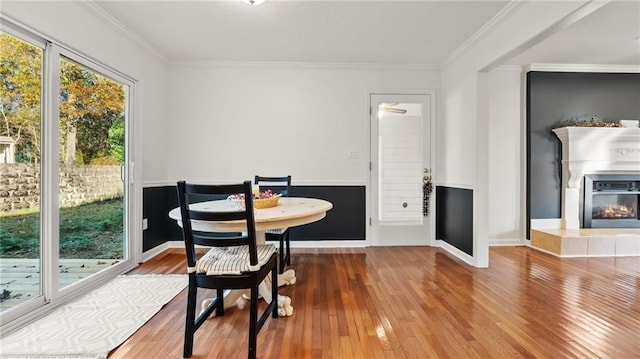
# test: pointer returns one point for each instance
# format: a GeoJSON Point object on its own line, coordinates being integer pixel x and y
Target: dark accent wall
{"type": "Point", "coordinates": [345, 221]}
{"type": "Point", "coordinates": [454, 217]}
{"type": "Point", "coordinates": [553, 97]}
{"type": "Point", "coordinates": [156, 204]}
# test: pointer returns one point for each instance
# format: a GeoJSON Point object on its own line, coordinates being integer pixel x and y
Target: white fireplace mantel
{"type": "Point", "coordinates": [587, 150]}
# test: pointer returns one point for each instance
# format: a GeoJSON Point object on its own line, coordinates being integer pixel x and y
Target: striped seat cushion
{"type": "Point", "coordinates": [233, 260]}
{"type": "Point", "coordinates": [276, 231]}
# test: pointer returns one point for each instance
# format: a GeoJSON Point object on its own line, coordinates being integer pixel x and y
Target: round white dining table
{"type": "Point", "coordinates": [290, 212]}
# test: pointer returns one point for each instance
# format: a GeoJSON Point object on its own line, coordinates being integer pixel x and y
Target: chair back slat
{"type": "Point", "coordinates": [238, 215]}
{"type": "Point", "coordinates": [188, 194]}
{"type": "Point", "coordinates": [206, 189]}
{"type": "Point", "coordinates": [283, 184]}
{"type": "Point", "coordinates": [216, 240]}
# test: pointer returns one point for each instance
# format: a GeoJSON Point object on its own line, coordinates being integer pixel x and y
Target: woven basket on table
{"type": "Point", "coordinates": [259, 202]}
{"type": "Point", "coordinates": [266, 202]}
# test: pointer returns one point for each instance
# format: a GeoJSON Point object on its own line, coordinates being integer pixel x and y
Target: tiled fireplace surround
{"type": "Point", "coordinates": [591, 150]}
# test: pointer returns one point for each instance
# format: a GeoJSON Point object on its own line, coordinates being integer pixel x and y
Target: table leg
{"type": "Point", "coordinates": [286, 278]}
{"type": "Point", "coordinates": [284, 303]}
{"type": "Point", "coordinates": [289, 277]}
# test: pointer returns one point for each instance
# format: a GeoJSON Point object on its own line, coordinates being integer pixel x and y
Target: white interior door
{"type": "Point", "coordinates": [400, 150]}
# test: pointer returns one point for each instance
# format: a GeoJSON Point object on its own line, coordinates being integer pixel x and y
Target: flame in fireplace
{"type": "Point", "coordinates": [615, 211]}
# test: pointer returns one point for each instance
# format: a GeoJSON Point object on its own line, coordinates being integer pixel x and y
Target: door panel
{"type": "Point", "coordinates": [400, 151]}
{"type": "Point", "coordinates": [91, 182]}
{"type": "Point", "coordinates": [20, 161]}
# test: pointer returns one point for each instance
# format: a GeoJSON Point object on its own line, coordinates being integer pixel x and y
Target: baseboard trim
{"type": "Point", "coordinates": [507, 242]}
{"type": "Point", "coordinates": [351, 244]}
{"type": "Point", "coordinates": [300, 244]}
{"type": "Point", "coordinates": [158, 249]}
{"type": "Point", "coordinates": [455, 252]}
{"type": "Point", "coordinates": [329, 244]}
{"type": "Point", "coordinates": [325, 244]}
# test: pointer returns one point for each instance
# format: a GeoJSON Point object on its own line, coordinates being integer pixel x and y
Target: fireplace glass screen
{"type": "Point", "coordinates": [611, 201]}
{"type": "Point", "coordinates": [615, 206]}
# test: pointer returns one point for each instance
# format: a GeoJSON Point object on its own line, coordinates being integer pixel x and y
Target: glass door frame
{"type": "Point", "coordinates": [52, 296]}
{"type": "Point", "coordinates": [33, 304]}
{"type": "Point", "coordinates": [58, 52]}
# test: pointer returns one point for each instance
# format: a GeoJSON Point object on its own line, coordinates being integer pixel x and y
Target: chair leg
{"type": "Point", "coordinates": [288, 249]}
{"type": "Point", "coordinates": [253, 322]}
{"type": "Point", "coordinates": [274, 291]}
{"type": "Point", "coordinates": [220, 305]}
{"type": "Point", "coordinates": [282, 255]}
{"type": "Point", "coordinates": [189, 328]}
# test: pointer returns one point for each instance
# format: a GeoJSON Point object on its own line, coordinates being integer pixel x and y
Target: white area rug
{"type": "Point", "coordinates": [96, 323]}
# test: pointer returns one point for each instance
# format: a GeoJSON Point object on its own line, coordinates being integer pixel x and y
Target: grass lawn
{"type": "Point", "coordinates": [88, 231]}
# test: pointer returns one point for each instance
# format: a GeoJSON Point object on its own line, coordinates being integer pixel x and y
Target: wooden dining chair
{"type": "Point", "coordinates": [282, 185]}
{"type": "Point", "coordinates": [233, 262]}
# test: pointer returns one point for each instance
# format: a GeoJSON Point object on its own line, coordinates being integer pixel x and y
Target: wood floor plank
{"type": "Point", "coordinates": [419, 302]}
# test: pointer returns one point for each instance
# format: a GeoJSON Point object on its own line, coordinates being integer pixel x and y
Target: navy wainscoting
{"type": "Point", "coordinates": [454, 217]}
{"type": "Point", "coordinates": [345, 221]}
{"type": "Point", "coordinates": [156, 204]}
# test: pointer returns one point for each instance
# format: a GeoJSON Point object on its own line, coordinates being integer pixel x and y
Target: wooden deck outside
{"type": "Point", "coordinates": [20, 278]}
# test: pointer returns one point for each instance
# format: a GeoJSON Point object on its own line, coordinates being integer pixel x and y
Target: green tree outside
{"type": "Point", "coordinates": [20, 82]}
{"type": "Point", "coordinates": [90, 105]}
{"type": "Point", "coordinates": [116, 139]}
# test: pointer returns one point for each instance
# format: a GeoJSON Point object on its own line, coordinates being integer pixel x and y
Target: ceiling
{"type": "Point", "coordinates": [610, 35]}
{"type": "Point", "coordinates": [375, 32]}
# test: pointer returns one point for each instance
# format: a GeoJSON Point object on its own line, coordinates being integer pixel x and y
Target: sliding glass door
{"type": "Point", "coordinates": [20, 167]}
{"type": "Point", "coordinates": [64, 161]}
{"type": "Point", "coordinates": [91, 179]}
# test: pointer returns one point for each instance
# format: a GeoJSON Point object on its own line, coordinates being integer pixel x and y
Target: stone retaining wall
{"type": "Point", "coordinates": [20, 185]}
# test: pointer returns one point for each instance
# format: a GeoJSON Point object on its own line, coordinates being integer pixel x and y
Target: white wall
{"type": "Point", "coordinates": [506, 157]}
{"type": "Point", "coordinates": [230, 122]}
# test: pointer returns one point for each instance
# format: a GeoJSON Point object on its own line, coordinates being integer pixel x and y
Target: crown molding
{"type": "Point", "coordinates": [519, 68]}
{"type": "Point", "coordinates": [583, 68]}
{"type": "Point", "coordinates": [331, 65]}
{"type": "Point", "coordinates": [481, 33]}
{"type": "Point", "coordinates": [116, 24]}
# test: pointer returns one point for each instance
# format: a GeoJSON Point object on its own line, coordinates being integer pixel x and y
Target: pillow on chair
{"type": "Point", "coordinates": [233, 260]}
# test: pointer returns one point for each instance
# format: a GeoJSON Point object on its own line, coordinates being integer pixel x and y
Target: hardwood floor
{"type": "Point", "coordinates": [419, 302]}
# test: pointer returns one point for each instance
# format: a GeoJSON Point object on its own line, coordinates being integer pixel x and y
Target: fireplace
{"type": "Point", "coordinates": [600, 188]}
{"type": "Point", "coordinates": [611, 201]}
{"type": "Point", "coordinates": [597, 150]}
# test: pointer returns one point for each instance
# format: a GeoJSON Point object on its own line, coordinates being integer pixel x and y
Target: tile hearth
{"type": "Point", "coordinates": [587, 242]}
